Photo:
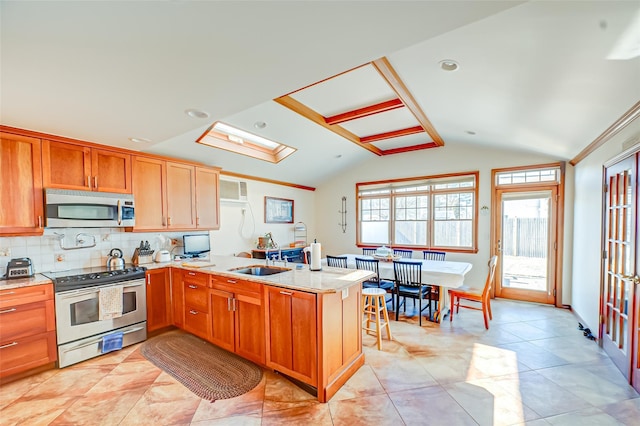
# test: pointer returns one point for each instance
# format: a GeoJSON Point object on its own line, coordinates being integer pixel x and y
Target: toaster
{"type": "Point", "coordinates": [19, 268]}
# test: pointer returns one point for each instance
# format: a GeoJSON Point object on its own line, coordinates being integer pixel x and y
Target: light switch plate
{"type": "Point", "coordinates": [345, 293]}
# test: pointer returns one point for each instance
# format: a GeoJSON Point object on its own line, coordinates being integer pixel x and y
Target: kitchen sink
{"type": "Point", "coordinates": [259, 270]}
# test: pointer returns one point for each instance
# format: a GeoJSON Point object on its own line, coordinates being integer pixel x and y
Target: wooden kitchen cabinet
{"type": "Point", "coordinates": [291, 333]}
{"type": "Point", "coordinates": [177, 297]}
{"type": "Point", "coordinates": [181, 197]}
{"type": "Point", "coordinates": [238, 317]}
{"type": "Point", "coordinates": [197, 309]}
{"type": "Point", "coordinates": [159, 313]}
{"type": "Point", "coordinates": [207, 198]}
{"type": "Point", "coordinates": [27, 329]}
{"type": "Point", "coordinates": [174, 196]}
{"type": "Point", "coordinates": [81, 167]}
{"type": "Point", "coordinates": [21, 199]}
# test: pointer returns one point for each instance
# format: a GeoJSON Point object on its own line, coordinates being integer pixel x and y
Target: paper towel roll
{"type": "Point", "coordinates": [316, 250]}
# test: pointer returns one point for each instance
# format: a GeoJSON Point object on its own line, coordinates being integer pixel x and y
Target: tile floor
{"type": "Point", "coordinates": [532, 367]}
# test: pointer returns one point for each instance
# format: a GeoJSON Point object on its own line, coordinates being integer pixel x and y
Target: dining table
{"type": "Point", "coordinates": [443, 273]}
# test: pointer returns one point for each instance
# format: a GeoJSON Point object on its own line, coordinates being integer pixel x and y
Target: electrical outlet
{"type": "Point", "coordinates": [5, 252]}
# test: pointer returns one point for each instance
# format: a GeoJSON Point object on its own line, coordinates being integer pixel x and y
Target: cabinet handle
{"type": "Point", "coordinates": [286, 293]}
{"type": "Point", "coordinates": [9, 292]}
{"type": "Point", "coordinates": [193, 286]}
{"type": "Point", "coordinates": [234, 304]}
{"type": "Point", "coordinates": [192, 273]}
{"type": "Point", "coordinates": [228, 303]}
{"type": "Point", "coordinates": [10, 344]}
{"type": "Point", "coordinates": [39, 221]}
{"type": "Point", "coordinates": [89, 182]}
{"type": "Point", "coordinates": [6, 311]}
{"type": "Point", "coordinates": [168, 220]}
{"type": "Point", "coordinates": [95, 182]}
{"type": "Point", "coordinates": [232, 281]}
{"type": "Point", "coordinates": [192, 312]}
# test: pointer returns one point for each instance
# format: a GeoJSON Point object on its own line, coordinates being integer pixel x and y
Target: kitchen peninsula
{"type": "Point", "coordinates": [304, 324]}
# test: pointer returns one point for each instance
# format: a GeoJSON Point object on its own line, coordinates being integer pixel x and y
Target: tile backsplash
{"type": "Point", "coordinates": [47, 252]}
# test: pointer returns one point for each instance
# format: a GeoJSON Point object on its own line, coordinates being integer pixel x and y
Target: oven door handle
{"type": "Point", "coordinates": [65, 295]}
{"type": "Point", "coordinates": [93, 342]}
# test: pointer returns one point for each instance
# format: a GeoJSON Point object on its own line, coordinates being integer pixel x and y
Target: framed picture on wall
{"type": "Point", "coordinates": [278, 210]}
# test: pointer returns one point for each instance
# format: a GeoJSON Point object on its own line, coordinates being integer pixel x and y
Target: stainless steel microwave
{"type": "Point", "coordinates": [85, 209]}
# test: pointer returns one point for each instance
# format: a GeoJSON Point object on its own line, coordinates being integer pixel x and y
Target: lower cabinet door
{"type": "Point", "coordinates": [28, 352]}
{"type": "Point", "coordinates": [250, 341]}
{"type": "Point", "coordinates": [158, 299]}
{"type": "Point", "coordinates": [223, 327]}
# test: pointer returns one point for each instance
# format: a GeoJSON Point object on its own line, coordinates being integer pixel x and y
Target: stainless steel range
{"type": "Point", "coordinates": [82, 328]}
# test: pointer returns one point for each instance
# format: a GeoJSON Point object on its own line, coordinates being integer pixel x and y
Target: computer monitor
{"type": "Point", "coordinates": [195, 245]}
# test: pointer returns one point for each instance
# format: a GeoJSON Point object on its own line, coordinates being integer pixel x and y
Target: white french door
{"type": "Point", "coordinates": [620, 305]}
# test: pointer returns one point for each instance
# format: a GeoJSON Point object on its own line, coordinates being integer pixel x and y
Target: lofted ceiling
{"type": "Point", "coordinates": [544, 76]}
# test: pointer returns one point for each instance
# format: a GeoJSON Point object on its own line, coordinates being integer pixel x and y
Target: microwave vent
{"type": "Point", "coordinates": [233, 190]}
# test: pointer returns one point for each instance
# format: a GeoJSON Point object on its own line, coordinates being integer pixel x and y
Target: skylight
{"type": "Point", "coordinates": [229, 138]}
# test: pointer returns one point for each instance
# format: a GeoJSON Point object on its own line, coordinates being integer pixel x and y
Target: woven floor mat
{"type": "Point", "coordinates": [207, 370]}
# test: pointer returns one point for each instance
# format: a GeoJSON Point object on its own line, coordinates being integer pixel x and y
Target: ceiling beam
{"type": "Point", "coordinates": [305, 111]}
{"type": "Point", "coordinates": [388, 73]}
{"type": "Point", "coordinates": [402, 149]}
{"type": "Point", "coordinates": [392, 134]}
{"type": "Point", "coordinates": [364, 112]}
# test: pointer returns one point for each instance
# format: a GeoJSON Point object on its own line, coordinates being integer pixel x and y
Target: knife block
{"type": "Point", "coordinates": [141, 257]}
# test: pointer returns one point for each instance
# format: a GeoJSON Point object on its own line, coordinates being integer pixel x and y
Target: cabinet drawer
{"type": "Point", "coordinates": [235, 285]}
{"type": "Point", "coordinates": [196, 296]}
{"type": "Point", "coordinates": [17, 296]}
{"type": "Point", "coordinates": [23, 354]}
{"type": "Point", "coordinates": [25, 320]}
{"type": "Point", "coordinates": [196, 278]}
{"type": "Point", "coordinates": [197, 322]}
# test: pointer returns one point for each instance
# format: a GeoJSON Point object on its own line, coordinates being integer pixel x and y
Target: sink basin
{"type": "Point", "coordinates": [259, 270]}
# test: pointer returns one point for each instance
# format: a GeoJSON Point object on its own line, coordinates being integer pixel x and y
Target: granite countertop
{"type": "Point", "coordinates": [37, 279]}
{"type": "Point", "coordinates": [327, 280]}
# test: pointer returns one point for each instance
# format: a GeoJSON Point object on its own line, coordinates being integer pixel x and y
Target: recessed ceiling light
{"type": "Point", "coordinates": [196, 113]}
{"type": "Point", "coordinates": [259, 124]}
{"type": "Point", "coordinates": [470, 132]}
{"type": "Point", "coordinates": [449, 65]}
{"type": "Point", "coordinates": [140, 140]}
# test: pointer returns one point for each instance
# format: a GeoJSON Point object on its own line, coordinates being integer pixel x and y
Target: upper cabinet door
{"type": "Point", "coordinates": [149, 193]}
{"type": "Point", "coordinates": [21, 201]}
{"type": "Point", "coordinates": [207, 198]}
{"type": "Point", "coordinates": [66, 166]}
{"type": "Point", "coordinates": [71, 166]}
{"type": "Point", "coordinates": [111, 171]}
{"type": "Point", "coordinates": [181, 197]}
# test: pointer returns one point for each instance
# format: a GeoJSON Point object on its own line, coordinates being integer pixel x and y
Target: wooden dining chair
{"type": "Point", "coordinates": [477, 295]}
{"type": "Point", "coordinates": [369, 251]}
{"type": "Point", "coordinates": [407, 254]}
{"type": "Point", "coordinates": [375, 282]}
{"type": "Point", "coordinates": [439, 256]}
{"type": "Point", "coordinates": [337, 261]}
{"type": "Point", "coordinates": [408, 283]}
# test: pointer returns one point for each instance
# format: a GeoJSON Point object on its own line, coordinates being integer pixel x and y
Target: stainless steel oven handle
{"type": "Point", "coordinates": [76, 293]}
{"type": "Point", "coordinates": [93, 342]}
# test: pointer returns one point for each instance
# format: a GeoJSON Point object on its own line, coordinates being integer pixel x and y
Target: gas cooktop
{"type": "Point", "coordinates": [90, 277]}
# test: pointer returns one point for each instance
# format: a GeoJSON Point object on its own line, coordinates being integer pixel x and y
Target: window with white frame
{"type": "Point", "coordinates": [425, 212]}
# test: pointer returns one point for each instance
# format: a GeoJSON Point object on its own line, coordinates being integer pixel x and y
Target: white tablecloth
{"type": "Point", "coordinates": [438, 272]}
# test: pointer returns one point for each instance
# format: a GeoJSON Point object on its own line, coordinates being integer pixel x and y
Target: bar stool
{"type": "Point", "coordinates": [373, 305]}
